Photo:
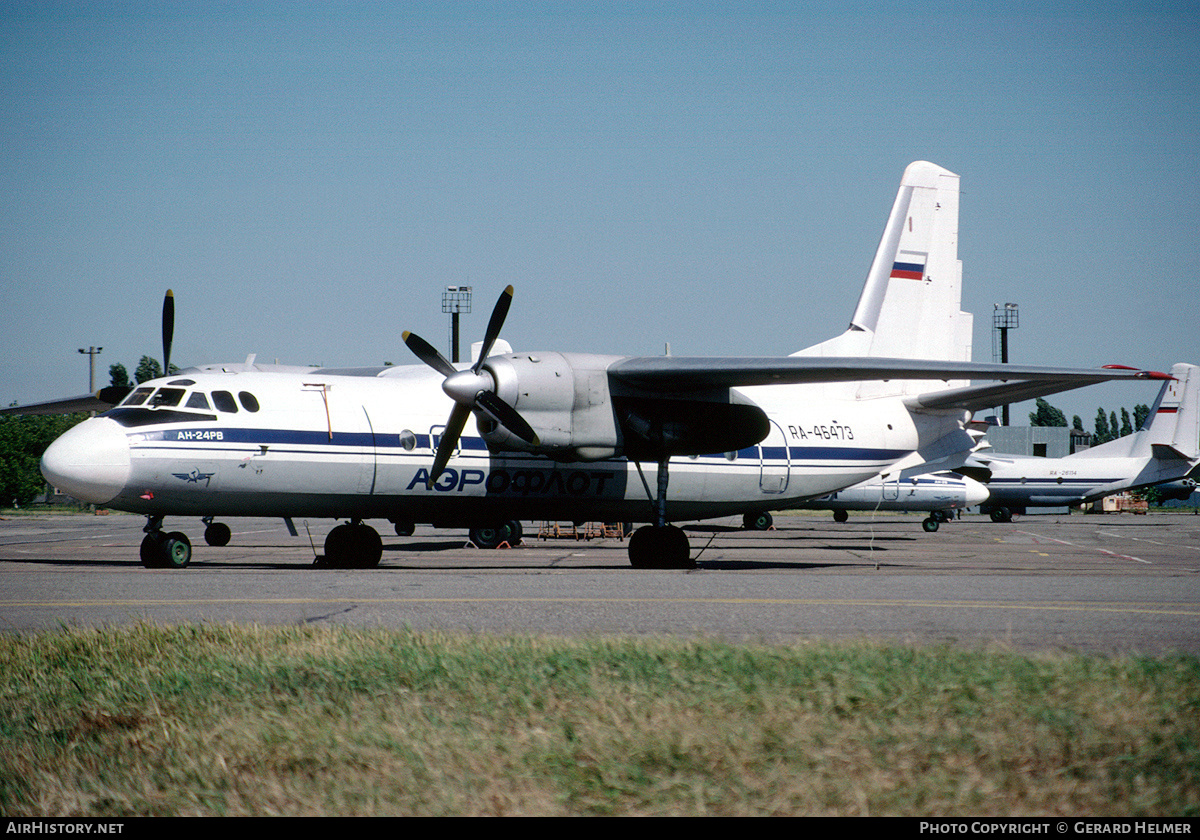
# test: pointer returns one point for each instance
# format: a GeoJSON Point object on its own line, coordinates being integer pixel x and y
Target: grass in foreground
{"type": "Point", "coordinates": [299, 721]}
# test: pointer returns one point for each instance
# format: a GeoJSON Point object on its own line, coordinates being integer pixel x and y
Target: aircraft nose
{"type": "Point", "coordinates": [976, 492]}
{"type": "Point", "coordinates": [90, 461]}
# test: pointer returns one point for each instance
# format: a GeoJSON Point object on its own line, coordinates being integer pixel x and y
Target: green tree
{"type": "Point", "coordinates": [1046, 415]}
{"type": "Point", "coordinates": [150, 368]}
{"type": "Point", "coordinates": [118, 376]}
{"type": "Point", "coordinates": [1126, 424]}
{"type": "Point", "coordinates": [1102, 433]}
{"type": "Point", "coordinates": [1140, 413]}
{"type": "Point", "coordinates": [1076, 423]}
{"type": "Point", "coordinates": [1113, 428]}
{"type": "Point", "coordinates": [23, 439]}
{"type": "Point", "coordinates": [147, 369]}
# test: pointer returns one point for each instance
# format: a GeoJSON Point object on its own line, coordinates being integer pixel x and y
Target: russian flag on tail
{"type": "Point", "coordinates": [908, 270]}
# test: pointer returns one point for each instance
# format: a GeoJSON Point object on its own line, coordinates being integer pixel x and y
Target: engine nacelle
{"type": "Point", "coordinates": [569, 400]}
{"type": "Point", "coordinates": [564, 397]}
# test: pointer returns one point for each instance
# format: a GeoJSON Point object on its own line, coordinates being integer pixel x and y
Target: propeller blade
{"type": "Point", "coordinates": [499, 313]}
{"type": "Point", "coordinates": [506, 416]}
{"type": "Point", "coordinates": [168, 329]}
{"type": "Point", "coordinates": [449, 440]}
{"type": "Point", "coordinates": [428, 354]}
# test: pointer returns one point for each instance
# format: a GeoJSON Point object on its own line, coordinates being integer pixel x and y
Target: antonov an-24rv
{"type": "Point", "coordinates": [563, 436]}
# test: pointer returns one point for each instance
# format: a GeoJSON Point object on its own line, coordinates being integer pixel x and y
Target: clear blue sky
{"type": "Point", "coordinates": [308, 177]}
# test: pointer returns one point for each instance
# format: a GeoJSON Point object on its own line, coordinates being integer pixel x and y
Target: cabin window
{"type": "Point", "coordinates": [198, 400]}
{"type": "Point", "coordinates": [167, 397]}
{"type": "Point", "coordinates": [138, 397]}
{"type": "Point", "coordinates": [248, 401]}
{"type": "Point", "coordinates": [224, 401]}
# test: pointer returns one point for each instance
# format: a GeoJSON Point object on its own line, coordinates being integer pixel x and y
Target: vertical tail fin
{"type": "Point", "coordinates": [910, 305]}
{"type": "Point", "coordinates": [1172, 429]}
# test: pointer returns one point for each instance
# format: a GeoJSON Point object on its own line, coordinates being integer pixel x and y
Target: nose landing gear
{"type": "Point", "coordinates": [164, 551]}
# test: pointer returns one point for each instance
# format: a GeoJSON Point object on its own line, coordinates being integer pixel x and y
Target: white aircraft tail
{"type": "Point", "coordinates": [910, 306]}
{"type": "Point", "coordinates": [1172, 428]}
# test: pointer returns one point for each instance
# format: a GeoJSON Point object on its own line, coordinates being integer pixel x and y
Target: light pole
{"type": "Point", "coordinates": [455, 299]}
{"type": "Point", "coordinates": [1003, 320]}
{"type": "Point", "coordinates": [91, 353]}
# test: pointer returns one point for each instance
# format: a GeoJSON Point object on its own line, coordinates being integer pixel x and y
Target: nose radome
{"type": "Point", "coordinates": [977, 492]}
{"type": "Point", "coordinates": [89, 462]}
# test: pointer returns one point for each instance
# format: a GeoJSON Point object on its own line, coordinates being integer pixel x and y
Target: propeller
{"type": "Point", "coordinates": [168, 330]}
{"type": "Point", "coordinates": [473, 390]}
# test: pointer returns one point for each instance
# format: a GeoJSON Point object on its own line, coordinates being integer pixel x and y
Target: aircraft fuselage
{"type": "Point", "coordinates": [360, 447]}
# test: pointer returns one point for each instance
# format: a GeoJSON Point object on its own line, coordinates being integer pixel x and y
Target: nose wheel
{"type": "Point", "coordinates": [164, 551]}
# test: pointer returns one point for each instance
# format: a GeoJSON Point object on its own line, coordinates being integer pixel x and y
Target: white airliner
{"type": "Point", "coordinates": [563, 436]}
{"type": "Point", "coordinates": [1165, 449]}
{"type": "Point", "coordinates": [939, 493]}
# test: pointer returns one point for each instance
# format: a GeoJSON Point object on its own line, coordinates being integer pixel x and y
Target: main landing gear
{"type": "Point", "coordinates": [761, 521]}
{"type": "Point", "coordinates": [660, 546]}
{"type": "Point", "coordinates": [352, 545]}
{"type": "Point", "coordinates": [929, 523]}
{"type": "Point", "coordinates": [506, 533]}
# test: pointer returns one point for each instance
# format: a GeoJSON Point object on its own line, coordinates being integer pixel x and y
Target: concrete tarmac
{"type": "Point", "coordinates": [1098, 583]}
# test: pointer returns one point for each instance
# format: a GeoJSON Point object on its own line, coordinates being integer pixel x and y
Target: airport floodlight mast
{"type": "Point", "coordinates": [1003, 319]}
{"type": "Point", "coordinates": [91, 353]}
{"type": "Point", "coordinates": [456, 300]}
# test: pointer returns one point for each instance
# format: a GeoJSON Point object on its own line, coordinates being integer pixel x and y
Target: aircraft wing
{"type": "Point", "coordinates": [683, 374]}
{"type": "Point", "coordinates": [102, 400]}
{"type": "Point", "coordinates": [976, 397]}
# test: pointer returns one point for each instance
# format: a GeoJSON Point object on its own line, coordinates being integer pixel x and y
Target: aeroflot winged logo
{"type": "Point", "coordinates": [195, 477]}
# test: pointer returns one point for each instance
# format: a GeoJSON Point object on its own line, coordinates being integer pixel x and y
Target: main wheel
{"type": "Point", "coordinates": [840, 516]}
{"type": "Point", "coordinates": [353, 546]}
{"type": "Point", "coordinates": [930, 524]}
{"type": "Point", "coordinates": [494, 536]}
{"type": "Point", "coordinates": [652, 547]}
{"type": "Point", "coordinates": [1001, 514]}
{"type": "Point", "coordinates": [757, 521]}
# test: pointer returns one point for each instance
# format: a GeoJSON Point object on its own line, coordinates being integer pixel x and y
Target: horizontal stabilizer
{"type": "Point", "coordinates": [1166, 452]}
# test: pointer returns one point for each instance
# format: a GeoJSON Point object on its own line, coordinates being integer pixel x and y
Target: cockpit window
{"type": "Point", "coordinates": [198, 400]}
{"type": "Point", "coordinates": [138, 397]}
{"type": "Point", "coordinates": [248, 401]}
{"type": "Point", "coordinates": [224, 401]}
{"type": "Point", "coordinates": [167, 397]}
